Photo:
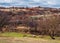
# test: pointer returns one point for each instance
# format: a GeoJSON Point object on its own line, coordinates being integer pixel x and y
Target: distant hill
{"type": "Point", "coordinates": [34, 10]}
{"type": "Point", "coordinates": [31, 17]}
{"type": "Point", "coordinates": [21, 13]}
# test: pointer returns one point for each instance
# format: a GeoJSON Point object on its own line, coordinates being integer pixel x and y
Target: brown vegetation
{"type": "Point", "coordinates": [38, 20]}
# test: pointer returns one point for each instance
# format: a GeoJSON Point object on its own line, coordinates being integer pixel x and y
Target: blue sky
{"type": "Point", "coordinates": [30, 3]}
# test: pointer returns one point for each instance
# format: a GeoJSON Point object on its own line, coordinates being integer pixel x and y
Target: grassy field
{"type": "Point", "coordinates": [13, 37]}
{"type": "Point", "coordinates": [13, 34]}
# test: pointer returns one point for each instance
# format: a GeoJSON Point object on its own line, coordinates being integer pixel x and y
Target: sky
{"type": "Point", "coordinates": [30, 3]}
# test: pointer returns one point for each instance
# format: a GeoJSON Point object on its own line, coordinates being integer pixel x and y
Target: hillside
{"type": "Point", "coordinates": [21, 13]}
{"type": "Point", "coordinates": [36, 20]}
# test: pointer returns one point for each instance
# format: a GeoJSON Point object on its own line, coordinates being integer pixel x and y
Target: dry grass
{"type": "Point", "coordinates": [26, 40]}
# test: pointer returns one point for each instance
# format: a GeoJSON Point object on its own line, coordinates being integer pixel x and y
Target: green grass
{"type": "Point", "coordinates": [13, 34]}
